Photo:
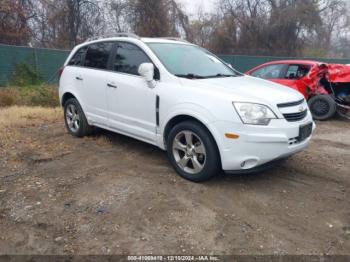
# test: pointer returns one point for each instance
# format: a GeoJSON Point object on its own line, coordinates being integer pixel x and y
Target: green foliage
{"type": "Point", "coordinates": [24, 75]}
{"type": "Point", "coordinates": [35, 95]}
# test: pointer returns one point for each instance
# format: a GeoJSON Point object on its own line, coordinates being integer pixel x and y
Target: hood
{"type": "Point", "coordinates": [333, 73]}
{"type": "Point", "coordinates": [246, 89]}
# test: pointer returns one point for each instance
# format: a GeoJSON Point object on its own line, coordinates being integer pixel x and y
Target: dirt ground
{"type": "Point", "coordinates": [110, 194]}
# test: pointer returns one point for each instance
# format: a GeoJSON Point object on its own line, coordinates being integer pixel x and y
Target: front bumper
{"type": "Point", "coordinates": [258, 145]}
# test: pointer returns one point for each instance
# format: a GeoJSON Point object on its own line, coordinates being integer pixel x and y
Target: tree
{"type": "Point", "coordinates": [152, 18]}
{"type": "Point", "coordinates": [118, 12]}
{"type": "Point", "coordinates": [149, 18]}
{"type": "Point", "coordinates": [64, 24]}
{"type": "Point", "coordinates": [251, 27]}
{"type": "Point", "coordinates": [14, 27]}
{"type": "Point", "coordinates": [273, 27]}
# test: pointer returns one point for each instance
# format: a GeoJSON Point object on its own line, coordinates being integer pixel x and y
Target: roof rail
{"type": "Point", "coordinates": [174, 38]}
{"type": "Point", "coordinates": [121, 34]}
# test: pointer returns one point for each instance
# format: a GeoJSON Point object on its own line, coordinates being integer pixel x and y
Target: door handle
{"type": "Point", "coordinates": [112, 85]}
{"type": "Point", "coordinates": [79, 78]}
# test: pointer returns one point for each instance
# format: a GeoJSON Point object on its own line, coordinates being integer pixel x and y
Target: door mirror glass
{"type": "Point", "coordinates": [146, 70]}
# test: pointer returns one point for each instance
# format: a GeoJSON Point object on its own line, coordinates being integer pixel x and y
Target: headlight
{"type": "Point", "coordinates": [254, 114]}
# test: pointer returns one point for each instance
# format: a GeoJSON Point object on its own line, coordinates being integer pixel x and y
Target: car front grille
{"type": "Point", "coordinates": [293, 111]}
{"type": "Point", "coordinates": [294, 117]}
{"type": "Point", "coordinates": [296, 103]}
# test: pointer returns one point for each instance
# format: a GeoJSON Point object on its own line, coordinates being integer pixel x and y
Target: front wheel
{"type": "Point", "coordinates": [192, 151]}
{"type": "Point", "coordinates": [322, 107]}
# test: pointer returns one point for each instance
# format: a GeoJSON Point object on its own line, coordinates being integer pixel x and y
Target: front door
{"type": "Point", "coordinates": [274, 72]}
{"type": "Point", "coordinates": [131, 101]}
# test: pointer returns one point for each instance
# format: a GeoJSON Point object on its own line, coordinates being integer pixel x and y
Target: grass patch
{"type": "Point", "coordinates": [15, 117]}
{"type": "Point", "coordinates": [23, 116]}
{"type": "Point", "coordinates": [37, 95]}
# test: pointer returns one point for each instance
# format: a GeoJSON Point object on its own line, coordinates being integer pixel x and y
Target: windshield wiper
{"type": "Point", "coordinates": [221, 75]}
{"type": "Point", "coordinates": [190, 76]}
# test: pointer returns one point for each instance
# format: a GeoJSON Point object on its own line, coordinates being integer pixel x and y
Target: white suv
{"type": "Point", "coordinates": [185, 100]}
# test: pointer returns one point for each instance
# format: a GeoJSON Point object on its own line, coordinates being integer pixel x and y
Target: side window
{"type": "Point", "coordinates": [297, 71]}
{"type": "Point", "coordinates": [270, 71]}
{"type": "Point", "coordinates": [292, 71]}
{"type": "Point", "coordinates": [97, 55]}
{"type": "Point", "coordinates": [78, 57]}
{"type": "Point", "coordinates": [128, 58]}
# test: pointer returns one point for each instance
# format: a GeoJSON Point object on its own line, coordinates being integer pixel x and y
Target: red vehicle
{"type": "Point", "coordinates": [326, 87]}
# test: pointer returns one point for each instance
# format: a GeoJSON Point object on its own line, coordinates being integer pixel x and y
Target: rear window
{"type": "Point", "coordinates": [78, 57]}
{"type": "Point", "coordinates": [97, 55]}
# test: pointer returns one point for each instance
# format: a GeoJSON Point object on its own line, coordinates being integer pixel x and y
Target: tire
{"type": "Point", "coordinates": [75, 120]}
{"type": "Point", "coordinates": [322, 107]}
{"type": "Point", "coordinates": [193, 152]}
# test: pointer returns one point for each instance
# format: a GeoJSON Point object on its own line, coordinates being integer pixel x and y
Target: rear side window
{"type": "Point", "coordinates": [297, 71]}
{"type": "Point", "coordinates": [97, 55]}
{"type": "Point", "coordinates": [128, 58]}
{"type": "Point", "coordinates": [270, 71]}
{"type": "Point", "coordinates": [78, 57]}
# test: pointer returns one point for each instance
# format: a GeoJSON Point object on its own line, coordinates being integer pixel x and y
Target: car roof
{"type": "Point", "coordinates": [294, 61]}
{"type": "Point", "coordinates": [143, 39]}
{"type": "Point", "coordinates": [289, 61]}
{"type": "Point", "coordinates": [164, 40]}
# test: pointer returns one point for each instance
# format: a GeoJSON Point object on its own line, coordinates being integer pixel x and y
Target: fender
{"type": "Point", "coordinates": [188, 109]}
{"type": "Point", "coordinates": [191, 109]}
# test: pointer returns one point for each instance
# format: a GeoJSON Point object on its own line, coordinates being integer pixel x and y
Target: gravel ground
{"type": "Point", "coordinates": [110, 194]}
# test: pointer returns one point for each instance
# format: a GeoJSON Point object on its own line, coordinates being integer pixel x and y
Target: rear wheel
{"type": "Point", "coordinates": [322, 107]}
{"type": "Point", "coordinates": [75, 119]}
{"type": "Point", "coordinates": [193, 152]}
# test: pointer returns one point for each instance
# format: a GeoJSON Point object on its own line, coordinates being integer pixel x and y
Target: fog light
{"type": "Point", "coordinates": [249, 163]}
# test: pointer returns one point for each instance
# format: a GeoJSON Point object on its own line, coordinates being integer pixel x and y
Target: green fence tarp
{"type": "Point", "coordinates": [243, 63]}
{"type": "Point", "coordinates": [45, 61]}
{"type": "Point", "coordinates": [48, 61]}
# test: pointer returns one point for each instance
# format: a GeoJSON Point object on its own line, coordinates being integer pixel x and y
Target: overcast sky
{"type": "Point", "coordinates": [192, 6]}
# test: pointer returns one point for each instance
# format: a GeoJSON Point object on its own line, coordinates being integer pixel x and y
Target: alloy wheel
{"type": "Point", "coordinates": [189, 152]}
{"type": "Point", "coordinates": [73, 118]}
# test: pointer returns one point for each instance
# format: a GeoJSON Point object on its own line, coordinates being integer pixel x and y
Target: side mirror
{"type": "Point", "coordinates": [146, 70]}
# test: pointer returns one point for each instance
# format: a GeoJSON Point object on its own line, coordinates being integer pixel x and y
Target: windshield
{"type": "Point", "coordinates": [191, 61]}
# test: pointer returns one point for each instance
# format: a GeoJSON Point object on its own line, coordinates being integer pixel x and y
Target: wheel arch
{"type": "Point", "coordinates": [66, 96]}
{"type": "Point", "coordinates": [187, 117]}
{"type": "Point", "coordinates": [69, 94]}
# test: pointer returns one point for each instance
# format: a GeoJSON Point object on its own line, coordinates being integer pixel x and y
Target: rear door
{"type": "Point", "coordinates": [294, 77]}
{"type": "Point", "coordinates": [131, 102]}
{"type": "Point", "coordinates": [93, 78]}
{"type": "Point", "coordinates": [72, 73]}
